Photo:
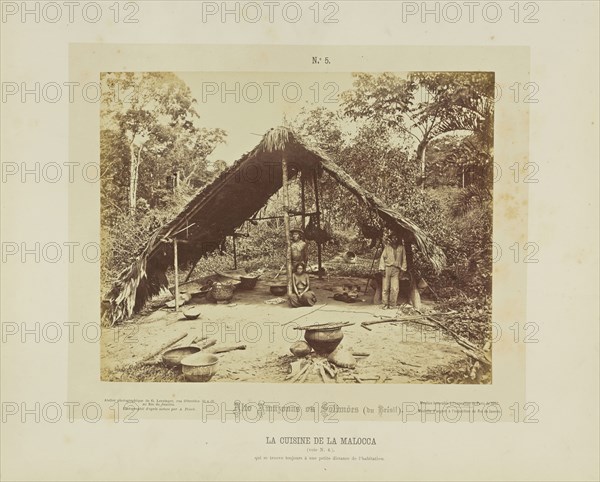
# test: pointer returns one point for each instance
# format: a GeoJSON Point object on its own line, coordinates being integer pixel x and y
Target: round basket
{"type": "Point", "coordinates": [222, 292]}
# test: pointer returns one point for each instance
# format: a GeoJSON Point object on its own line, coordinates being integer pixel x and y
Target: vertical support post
{"type": "Point", "coordinates": [373, 265]}
{"type": "Point", "coordinates": [234, 253]}
{"type": "Point", "coordinates": [303, 201]}
{"type": "Point", "coordinates": [318, 210]}
{"type": "Point", "coordinates": [415, 296]}
{"type": "Point", "coordinates": [286, 222]}
{"type": "Point", "coordinates": [189, 275]}
{"type": "Point", "coordinates": [176, 266]}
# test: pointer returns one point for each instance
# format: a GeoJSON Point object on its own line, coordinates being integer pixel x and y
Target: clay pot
{"type": "Point", "coordinates": [342, 358]}
{"type": "Point", "coordinates": [248, 283]}
{"type": "Point", "coordinates": [300, 349]}
{"type": "Point", "coordinates": [278, 290]}
{"type": "Point", "coordinates": [323, 341]}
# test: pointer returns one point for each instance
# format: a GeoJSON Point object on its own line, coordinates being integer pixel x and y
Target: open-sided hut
{"type": "Point", "coordinates": [227, 202]}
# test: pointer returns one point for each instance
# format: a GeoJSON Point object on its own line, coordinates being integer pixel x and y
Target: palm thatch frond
{"type": "Point", "coordinates": [275, 140]}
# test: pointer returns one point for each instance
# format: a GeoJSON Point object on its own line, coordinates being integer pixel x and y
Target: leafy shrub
{"type": "Point", "coordinates": [124, 238]}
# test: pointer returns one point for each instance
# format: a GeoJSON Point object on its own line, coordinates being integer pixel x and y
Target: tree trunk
{"type": "Point", "coordinates": [134, 169]}
{"type": "Point", "coordinates": [421, 158]}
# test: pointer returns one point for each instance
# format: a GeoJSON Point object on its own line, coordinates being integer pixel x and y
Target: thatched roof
{"type": "Point", "coordinates": [224, 204]}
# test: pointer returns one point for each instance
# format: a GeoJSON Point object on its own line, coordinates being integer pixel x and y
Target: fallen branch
{"type": "Point", "coordinates": [294, 369]}
{"type": "Point", "coordinates": [377, 379]}
{"type": "Point", "coordinates": [478, 357]}
{"type": "Point", "coordinates": [330, 369]}
{"type": "Point", "coordinates": [325, 326]}
{"type": "Point", "coordinates": [302, 379]}
{"type": "Point", "coordinates": [364, 324]}
{"type": "Point", "coordinates": [409, 364]}
{"type": "Point", "coordinates": [325, 378]}
{"type": "Point", "coordinates": [302, 371]}
{"type": "Point", "coordinates": [304, 315]}
{"type": "Point", "coordinates": [473, 350]}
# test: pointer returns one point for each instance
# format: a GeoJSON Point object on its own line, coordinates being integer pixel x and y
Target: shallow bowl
{"type": "Point", "coordinates": [192, 313]}
{"type": "Point", "coordinates": [199, 367]}
{"type": "Point", "coordinates": [173, 357]}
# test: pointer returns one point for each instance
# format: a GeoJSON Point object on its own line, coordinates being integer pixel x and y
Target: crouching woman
{"type": "Point", "coordinates": [302, 295]}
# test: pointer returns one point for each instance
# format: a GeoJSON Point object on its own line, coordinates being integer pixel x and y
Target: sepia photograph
{"type": "Point", "coordinates": [325, 240]}
{"type": "Point", "coordinates": [297, 228]}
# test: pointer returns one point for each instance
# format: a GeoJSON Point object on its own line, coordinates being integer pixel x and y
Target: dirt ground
{"type": "Point", "coordinates": [405, 352]}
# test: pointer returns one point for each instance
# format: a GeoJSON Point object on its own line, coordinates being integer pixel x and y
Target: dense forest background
{"type": "Point", "coordinates": [422, 142]}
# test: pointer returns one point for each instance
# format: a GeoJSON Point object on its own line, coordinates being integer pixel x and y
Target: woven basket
{"type": "Point", "coordinates": [222, 292]}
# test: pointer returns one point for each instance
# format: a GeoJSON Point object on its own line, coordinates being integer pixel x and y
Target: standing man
{"type": "Point", "coordinates": [299, 247]}
{"type": "Point", "coordinates": [393, 260]}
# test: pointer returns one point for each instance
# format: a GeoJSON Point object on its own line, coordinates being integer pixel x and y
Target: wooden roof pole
{"type": "Point", "coordinates": [189, 275]}
{"type": "Point", "coordinates": [303, 200]}
{"type": "Point", "coordinates": [318, 209]}
{"type": "Point", "coordinates": [176, 266]}
{"type": "Point", "coordinates": [234, 252]}
{"type": "Point", "coordinates": [286, 222]}
{"type": "Point", "coordinates": [415, 296]}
